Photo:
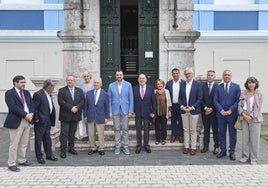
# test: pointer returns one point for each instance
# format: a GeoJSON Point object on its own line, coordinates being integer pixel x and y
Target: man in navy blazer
{"type": "Point", "coordinates": [190, 100]}
{"type": "Point", "coordinates": [44, 118]}
{"type": "Point", "coordinates": [209, 113]}
{"type": "Point", "coordinates": [226, 100]}
{"type": "Point", "coordinates": [121, 109]}
{"type": "Point", "coordinates": [174, 86]}
{"type": "Point", "coordinates": [96, 113]}
{"type": "Point", "coordinates": [71, 100]}
{"type": "Point", "coordinates": [144, 109]}
{"type": "Point", "coordinates": [20, 116]}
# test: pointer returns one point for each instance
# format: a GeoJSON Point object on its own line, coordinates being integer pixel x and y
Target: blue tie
{"type": "Point", "coordinates": [72, 93]}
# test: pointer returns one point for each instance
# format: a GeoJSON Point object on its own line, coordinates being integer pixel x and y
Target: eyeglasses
{"type": "Point", "coordinates": [22, 82]}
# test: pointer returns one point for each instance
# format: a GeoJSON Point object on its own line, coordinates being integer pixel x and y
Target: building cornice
{"type": "Point", "coordinates": [233, 37]}
{"type": "Point", "coordinates": [29, 36]}
{"type": "Point", "coordinates": [253, 7]}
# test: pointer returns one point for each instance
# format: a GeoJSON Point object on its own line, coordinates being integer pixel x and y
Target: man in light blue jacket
{"type": "Point", "coordinates": [121, 109]}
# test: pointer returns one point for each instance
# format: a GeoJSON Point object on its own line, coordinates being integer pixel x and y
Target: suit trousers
{"type": "Point", "coordinates": [210, 122]}
{"type": "Point", "coordinates": [67, 133]}
{"type": "Point", "coordinates": [190, 129]}
{"type": "Point", "coordinates": [223, 123]}
{"type": "Point", "coordinates": [92, 134]}
{"type": "Point", "coordinates": [160, 128]}
{"type": "Point", "coordinates": [176, 121]}
{"type": "Point", "coordinates": [139, 121]}
{"type": "Point", "coordinates": [19, 139]}
{"type": "Point", "coordinates": [42, 134]}
{"type": "Point", "coordinates": [120, 122]}
{"type": "Point", "coordinates": [251, 140]}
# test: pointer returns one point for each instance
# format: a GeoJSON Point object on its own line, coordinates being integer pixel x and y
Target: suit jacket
{"type": "Point", "coordinates": [169, 87]}
{"type": "Point", "coordinates": [42, 115]}
{"type": "Point", "coordinates": [195, 97]}
{"type": "Point", "coordinates": [207, 100]}
{"type": "Point", "coordinates": [146, 106]}
{"type": "Point", "coordinates": [15, 108]}
{"type": "Point", "coordinates": [66, 103]}
{"type": "Point", "coordinates": [227, 101]}
{"type": "Point", "coordinates": [123, 100]}
{"type": "Point", "coordinates": [98, 112]}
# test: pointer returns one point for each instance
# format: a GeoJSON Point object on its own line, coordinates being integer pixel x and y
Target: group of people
{"type": "Point", "coordinates": [181, 100]}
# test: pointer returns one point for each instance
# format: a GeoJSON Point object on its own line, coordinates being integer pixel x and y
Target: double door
{"type": "Point", "coordinates": [129, 39]}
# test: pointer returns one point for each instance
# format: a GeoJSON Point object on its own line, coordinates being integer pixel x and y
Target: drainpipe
{"type": "Point", "coordinates": [175, 25]}
{"type": "Point", "coordinates": [82, 25]}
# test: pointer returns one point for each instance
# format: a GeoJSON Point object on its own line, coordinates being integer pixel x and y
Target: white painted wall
{"type": "Point", "coordinates": [244, 59]}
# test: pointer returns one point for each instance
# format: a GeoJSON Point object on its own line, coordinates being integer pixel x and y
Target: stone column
{"type": "Point", "coordinates": [79, 46]}
{"type": "Point", "coordinates": [55, 131]}
{"type": "Point", "coordinates": [180, 36]}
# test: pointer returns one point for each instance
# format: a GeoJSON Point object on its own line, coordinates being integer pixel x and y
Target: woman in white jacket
{"type": "Point", "coordinates": [250, 110]}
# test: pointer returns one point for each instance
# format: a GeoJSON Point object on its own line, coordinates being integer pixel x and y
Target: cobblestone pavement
{"type": "Point", "coordinates": [138, 176]}
{"type": "Point", "coordinates": [161, 168]}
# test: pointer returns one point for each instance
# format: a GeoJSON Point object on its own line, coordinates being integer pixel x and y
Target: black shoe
{"type": "Point", "coordinates": [232, 156]}
{"type": "Point", "coordinates": [148, 149]}
{"type": "Point", "coordinates": [101, 152]}
{"type": "Point", "coordinates": [72, 151]}
{"type": "Point", "coordinates": [41, 161]}
{"type": "Point", "coordinates": [26, 163]}
{"type": "Point", "coordinates": [221, 154]}
{"type": "Point", "coordinates": [216, 151]}
{"type": "Point", "coordinates": [138, 150]}
{"type": "Point", "coordinates": [52, 158]}
{"type": "Point", "coordinates": [14, 168]}
{"type": "Point", "coordinates": [63, 155]}
{"type": "Point", "coordinates": [92, 152]}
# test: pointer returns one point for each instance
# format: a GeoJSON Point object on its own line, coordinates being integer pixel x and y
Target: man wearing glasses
{"type": "Point", "coordinates": [19, 117]}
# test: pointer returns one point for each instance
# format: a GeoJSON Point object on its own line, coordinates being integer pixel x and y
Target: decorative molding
{"type": "Point", "coordinates": [21, 36]}
{"type": "Point", "coordinates": [181, 36]}
{"type": "Point", "coordinates": [31, 6]}
{"type": "Point", "coordinates": [207, 7]}
{"type": "Point", "coordinates": [233, 36]}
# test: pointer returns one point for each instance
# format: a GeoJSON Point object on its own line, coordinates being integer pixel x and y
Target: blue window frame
{"type": "Point", "coordinates": [243, 20]}
{"type": "Point", "coordinates": [21, 20]}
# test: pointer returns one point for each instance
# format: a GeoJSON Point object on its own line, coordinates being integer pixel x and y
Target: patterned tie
{"type": "Point", "coordinates": [22, 98]}
{"type": "Point", "coordinates": [142, 92]}
{"type": "Point", "coordinates": [226, 88]}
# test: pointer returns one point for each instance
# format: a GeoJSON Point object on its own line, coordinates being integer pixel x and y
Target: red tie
{"type": "Point", "coordinates": [142, 92]}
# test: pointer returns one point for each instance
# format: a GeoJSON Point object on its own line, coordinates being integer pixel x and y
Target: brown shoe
{"type": "Point", "coordinates": [181, 139]}
{"type": "Point", "coordinates": [85, 138]}
{"type": "Point", "coordinates": [172, 139]}
{"type": "Point", "coordinates": [185, 150]}
{"type": "Point", "coordinates": [204, 150]}
{"type": "Point", "coordinates": [193, 152]}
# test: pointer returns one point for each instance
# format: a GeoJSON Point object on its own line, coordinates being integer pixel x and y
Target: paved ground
{"type": "Point", "coordinates": [161, 168]}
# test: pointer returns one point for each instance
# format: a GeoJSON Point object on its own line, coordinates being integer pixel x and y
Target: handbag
{"type": "Point", "coordinates": [238, 124]}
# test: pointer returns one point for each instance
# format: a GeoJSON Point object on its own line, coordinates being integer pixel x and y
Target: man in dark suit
{"type": "Point", "coordinates": [96, 114]}
{"type": "Point", "coordinates": [144, 109]}
{"type": "Point", "coordinates": [71, 101]}
{"type": "Point", "coordinates": [226, 100]}
{"type": "Point", "coordinates": [20, 115]}
{"type": "Point", "coordinates": [209, 113]}
{"type": "Point", "coordinates": [44, 118]}
{"type": "Point", "coordinates": [174, 86]}
{"type": "Point", "coordinates": [190, 100]}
